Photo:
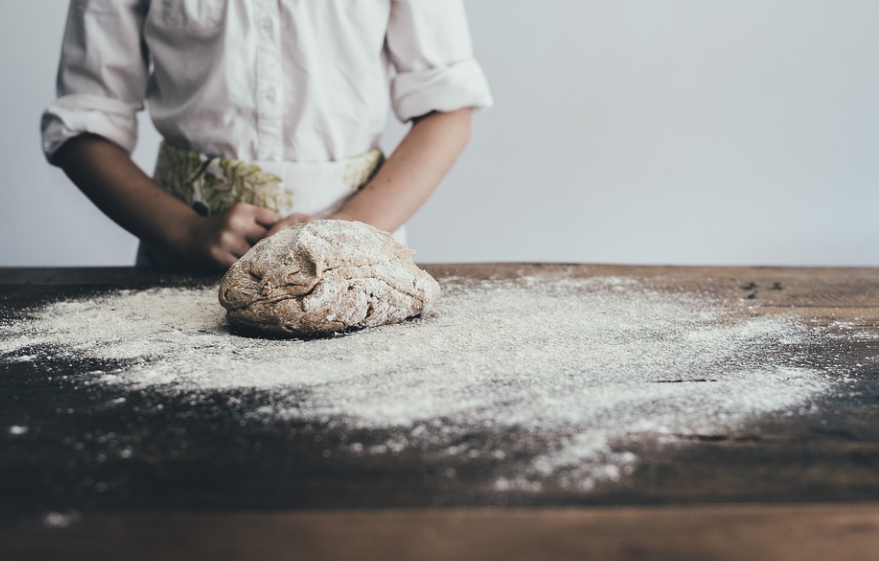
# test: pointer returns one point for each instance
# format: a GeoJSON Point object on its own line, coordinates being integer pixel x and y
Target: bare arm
{"type": "Point", "coordinates": [413, 172]}
{"type": "Point", "coordinates": [409, 176]}
{"type": "Point", "coordinates": [108, 176]}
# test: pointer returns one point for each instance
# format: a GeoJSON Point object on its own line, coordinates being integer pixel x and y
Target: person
{"type": "Point", "coordinates": [271, 113]}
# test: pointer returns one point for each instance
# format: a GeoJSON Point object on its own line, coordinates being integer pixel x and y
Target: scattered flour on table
{"type": "Point", "coordinates": [591, 362]}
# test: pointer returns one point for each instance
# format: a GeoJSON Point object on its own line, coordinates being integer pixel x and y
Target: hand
{"type": "Point", "coordinates": [295, 218]}
{"type": "Point", "coordinates": [108, 176]}
{"type": "Point", "coordinates": [220, 240]}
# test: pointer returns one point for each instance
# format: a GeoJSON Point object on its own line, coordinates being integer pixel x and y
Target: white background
{"type": "Point", "coordinates": [649, 131]}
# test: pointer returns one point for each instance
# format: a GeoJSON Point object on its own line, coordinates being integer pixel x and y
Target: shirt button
{"type": "Point", "coordinates": [266, 25]}
{"type": "Point", "coordinates": [270, 94]}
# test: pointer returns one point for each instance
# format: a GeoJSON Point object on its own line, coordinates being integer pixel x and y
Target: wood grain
{"type": "Point", "coordinates": [705, 533]}
{"type": "Point", "coordinates": [204, 485]}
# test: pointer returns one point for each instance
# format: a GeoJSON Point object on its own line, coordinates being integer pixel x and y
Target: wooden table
{"type": "Point", "coordinates": [801, 487]}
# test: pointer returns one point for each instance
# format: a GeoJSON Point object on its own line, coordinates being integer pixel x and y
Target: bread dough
{"type": "Point", "coordinates": [325, 276]}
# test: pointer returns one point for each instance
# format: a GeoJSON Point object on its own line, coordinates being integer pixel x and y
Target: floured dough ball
{"type": "Point", "coordinates": [325, 276]}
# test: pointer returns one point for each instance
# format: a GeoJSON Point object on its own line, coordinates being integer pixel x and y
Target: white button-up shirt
{"type": "Point", "coordinates": [262, 80]}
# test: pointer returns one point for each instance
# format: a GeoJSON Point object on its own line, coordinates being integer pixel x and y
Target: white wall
{"type": "Point", "coordinates": [625, 131]}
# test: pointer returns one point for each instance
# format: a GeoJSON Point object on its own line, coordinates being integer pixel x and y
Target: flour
{"type": "Point", "coordinates": [592, 362]}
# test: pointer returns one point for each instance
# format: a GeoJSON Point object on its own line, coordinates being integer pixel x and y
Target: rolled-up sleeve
{"type": "Point", "coordinates": [102, 77]}
{"type": "Point", "coordinates": [429, 45]}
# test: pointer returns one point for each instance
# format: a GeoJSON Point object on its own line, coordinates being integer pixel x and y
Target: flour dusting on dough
{"type": "Point", "coordinates": [325, 276]}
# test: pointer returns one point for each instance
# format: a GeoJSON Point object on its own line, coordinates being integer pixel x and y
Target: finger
{"type": "Point", "coordinates": [275, 229]}
{"type": "Point", "coordinates": [300, 217]}
{"type": "Point", "coordinates": [240, 249]}
{"type": "Point", "coordinates": [255, 233]}
{"type": "Point", "coordinates": [223, 259]}
{"type": "Point", "coordinates": [265, 217]}
{"type": "Point", "coordinates": [242, 221]}
{"type": "Point", "coordinates": [233, 243]}
{"type": "Point", "coordinates": [285, 223]}
{"type": "Point", "coordinates": [289, 221]}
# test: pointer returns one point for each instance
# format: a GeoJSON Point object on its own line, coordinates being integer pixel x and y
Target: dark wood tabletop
{"type": "Point", "coordinates": [799, 486]}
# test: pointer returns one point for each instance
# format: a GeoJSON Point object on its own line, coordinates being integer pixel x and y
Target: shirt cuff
{"type": "Point", "coordinates": [449, 88]}
{"type": "Point", "coordinates": [74, 115]}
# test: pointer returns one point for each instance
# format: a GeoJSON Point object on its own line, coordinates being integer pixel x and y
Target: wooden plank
{"type": "Point", "coordinates": [706, 533]}
{"type": "Point", "coordinates": [199, 456]}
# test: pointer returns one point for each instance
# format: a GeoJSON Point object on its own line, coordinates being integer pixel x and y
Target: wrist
{"type": "Point", "coordinates": [179, 235]}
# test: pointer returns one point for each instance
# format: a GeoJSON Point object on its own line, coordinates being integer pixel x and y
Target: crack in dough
{"type": "Point", "coordinates": [325, 276]}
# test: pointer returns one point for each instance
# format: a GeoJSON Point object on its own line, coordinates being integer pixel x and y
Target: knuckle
{"type": "Point", "coordinates": [236, 222]}
{"type": "Point", "coordinates": [227, 239]}
{"type": "Point", "coordinates": [237, 210]}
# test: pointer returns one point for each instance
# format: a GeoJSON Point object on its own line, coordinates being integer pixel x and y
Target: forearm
{"type": "Point", "coordinates": [412, 173]}
{"type": "Point", "coordinates": [108, 176]}
{"type": "Point", "coordinates": [115, 184]}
